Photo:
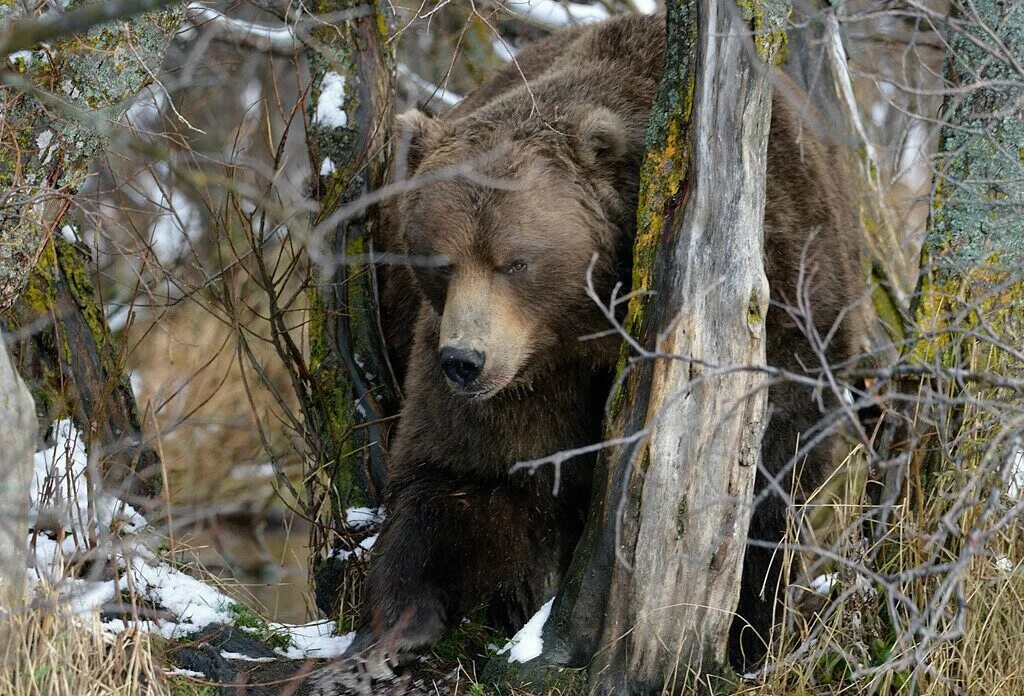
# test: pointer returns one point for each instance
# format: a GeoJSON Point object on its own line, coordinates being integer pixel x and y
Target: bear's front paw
{"type": "Point", "coordinates": [366, 674]}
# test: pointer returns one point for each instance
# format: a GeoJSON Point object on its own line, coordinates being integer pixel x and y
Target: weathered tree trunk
{"type": "Point", "coordinates": [655, 581]}
{"type": "Point", "coordinates": [817, 62]}
{"type": "Point", "coordinates": [967, 440]}
{"type": "Point", "coordinates": [354, 391]}
{"type": "Point", "coordinates": [17, 433]}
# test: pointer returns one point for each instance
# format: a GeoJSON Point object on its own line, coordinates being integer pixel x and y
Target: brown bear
{"type": "Point", "coordinates": [514, 198]}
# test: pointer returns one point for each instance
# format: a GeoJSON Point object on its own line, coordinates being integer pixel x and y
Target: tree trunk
{"type": "Point", "coordinates": [354, 392]}
{"type": "Point", "coordinates": [970, 304]}
{"type": "Point", "coordinates": [61, 102]}
{"type": "Point", "coordinates": [75, 369]}
{"type": "Point", "coordinates": [17, 433]}
{"type": "Point", "coordinates": [655, 581]}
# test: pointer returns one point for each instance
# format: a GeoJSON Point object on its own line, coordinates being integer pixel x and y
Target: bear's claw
{"type": "Point", "coordinates": [365, 674]}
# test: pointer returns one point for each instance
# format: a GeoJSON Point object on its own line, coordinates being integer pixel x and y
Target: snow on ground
{"type": "Point", "coordinates": [59, 488]}
{"type": "Point", "coordinates": [528, 644]}
{"type": "Point", "coordinates": [315, 639]}
{"type": "Point", "coordinates": [63, 515]}
{"type": "Point", "coordinates": [364, 546]}
{"type": "Point", "coordinates": [245, 658]}
{"type": "Point", "coordinates": [823, 584]}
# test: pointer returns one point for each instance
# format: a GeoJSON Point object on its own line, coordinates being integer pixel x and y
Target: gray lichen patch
{"type": "Point", "coordinates": [978, 213]}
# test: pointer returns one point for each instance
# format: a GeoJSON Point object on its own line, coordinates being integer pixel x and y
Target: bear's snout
{"type": "Point", "coordinates": [461, 365]}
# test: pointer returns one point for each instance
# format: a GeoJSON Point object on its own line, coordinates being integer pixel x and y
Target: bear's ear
{"type": "Point", "coordinates": [602, 137]}
{"type": "Point", "coordinates": [414, 132]}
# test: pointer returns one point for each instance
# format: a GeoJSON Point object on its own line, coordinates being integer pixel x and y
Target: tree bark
{"type": "Point", "coordinates": [61, 103]}
{"type": "Point", "coordinates": [969, 307]}
{"type": "Point", "coordinates": [353, 392]}
{"type": "Point", "coordinates": [75, 369]}
{"type": "Point", "coordinates": [656, 578]}
{"type": "Point", "coordinates": [17, 433]}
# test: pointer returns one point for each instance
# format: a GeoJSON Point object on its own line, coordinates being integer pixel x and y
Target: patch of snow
{"type": "Point", "coordinates": [246, 658]}
{"type": "Point", "coordinates": [364, 546]}
{"type": "Point", "coordinates": [188, 605]}
{"type": "Point", "coordinates": [21, 55]}
{"type": "Point", "coordinates": [315, 639]}
{"type": "Point", "coordinates": [528, 644]}
{"type": "Point", "coordinates": [878, 112]}
{"type": "Point", "coordinates": [193, 604]}
{"type": "Point", "coordinates": [330, 107]}
{"type": "Point", "coordinates": [59, 488]}
{"type": "Point", "coordinates": [326, 167]}
{"type": "Point", "coordinates": [44, 141]}
{"type": "Point", "coordinates": [251, 95]}
{"type": "Point", "coordinates": [361, 517]}
{"type": "Point", "coordinates": [646, 6]}
{"type": "Point", "coordinates": [823, 584]}
{"type": "Point", "coordinates": [179, 672]}
{"type": "Point", "coordinates": [1004, 564]}
{"type": "Point", "coordinates": [503, 50]}
{"type": "Point", "coordinates": [69, 233]}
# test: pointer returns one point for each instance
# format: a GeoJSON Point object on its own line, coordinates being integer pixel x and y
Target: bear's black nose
{"type": "Point", "coordinates": [461, 365]}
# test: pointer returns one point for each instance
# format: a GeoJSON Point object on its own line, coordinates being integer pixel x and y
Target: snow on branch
{"type": "Point", "coordinates": [280, 39]}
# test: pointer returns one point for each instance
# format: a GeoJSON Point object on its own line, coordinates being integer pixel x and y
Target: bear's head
{"type": "Point", "coordinates": [510, 228]}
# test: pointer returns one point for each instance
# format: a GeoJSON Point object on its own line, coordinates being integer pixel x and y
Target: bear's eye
{"type": "Point", "coordinates": [441, 266]}
{"type": "Point", "coordinates": [515, 267]}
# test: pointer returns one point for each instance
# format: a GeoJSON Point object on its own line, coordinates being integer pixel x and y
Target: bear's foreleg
{"type": "Point", "coordinates": [447, 547]}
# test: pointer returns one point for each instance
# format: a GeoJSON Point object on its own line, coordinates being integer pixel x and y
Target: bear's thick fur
{"type": "Point", "coordinates": [514, 194]}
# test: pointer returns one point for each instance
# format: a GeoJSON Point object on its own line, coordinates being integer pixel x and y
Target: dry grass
{"type": "Point", "coordinates": [50, 652]}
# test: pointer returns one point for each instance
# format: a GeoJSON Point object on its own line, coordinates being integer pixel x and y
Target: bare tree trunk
{"type": "Point", "coordinates": [354, 391]}
{"type": "Point", "coordinates": [17, 433]}
{"type": "Point", "coordinates": [656, 578]}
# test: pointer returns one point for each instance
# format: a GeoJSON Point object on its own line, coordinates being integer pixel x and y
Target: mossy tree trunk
{"type": "Point", "coordinates": [75, 369]}
{"type": "Point", "coordinates": [652, 588]}
{"type": "Point", "coordinates": [969, 309]}
{"type": "Point", "coordinates": [353, 392]}
{"type": "Point", "coordinates": [62, 101]}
